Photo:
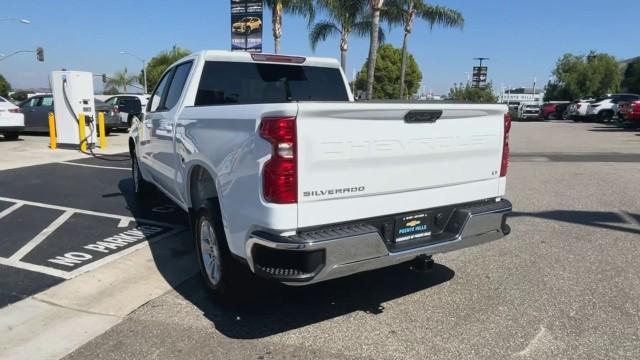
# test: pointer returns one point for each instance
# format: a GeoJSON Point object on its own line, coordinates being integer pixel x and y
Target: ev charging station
{"type": "Point", "coordinates": [73, 95]}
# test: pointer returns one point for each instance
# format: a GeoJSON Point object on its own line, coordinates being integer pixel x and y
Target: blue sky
{"type": "Point", "coordinates": [522, 38]}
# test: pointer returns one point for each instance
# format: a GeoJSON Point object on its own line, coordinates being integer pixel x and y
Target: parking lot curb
{"type": "Point", "coordinates": [53, 323]}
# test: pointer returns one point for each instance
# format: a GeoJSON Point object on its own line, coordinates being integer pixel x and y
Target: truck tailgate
{"type": "Point", "coordinates": [388, 158]}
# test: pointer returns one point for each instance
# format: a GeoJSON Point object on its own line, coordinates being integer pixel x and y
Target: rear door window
{"type": "Point", "coordinates": [224, 83]}
{"type": "Point", "coordinates": [177, 85]}
{"type": "Point", "coordinates": [47, 101]}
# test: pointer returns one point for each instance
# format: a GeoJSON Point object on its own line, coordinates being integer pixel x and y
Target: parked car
{"type": "Point", "coordinates": [111, 116]}
{"type": "Point", "coordinates": [247, 25]}
{"type": "Point", "coordinates": [578, 109]}
{"type": "Point", "coordinates": [553, 110]}
{"type": "Point", "coordinates": [128, 107]}
{"type": "Point", "coordinates": [36, 114]}
{"type": "Point", "coordinates": [629, 113]}
{"type": "Point", "coordinates": [603, 109]}
{"type": "Point", "coordinates": [11, 120]}
{"type": "Point", "coordinates": [286, 177]}
{"type": "Point", "coordinates": [528, 111]}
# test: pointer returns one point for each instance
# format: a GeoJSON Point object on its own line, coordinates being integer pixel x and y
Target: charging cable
{"type": "Point", "coordinates": [92, 125]}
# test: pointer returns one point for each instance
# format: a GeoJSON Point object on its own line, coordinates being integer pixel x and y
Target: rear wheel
{"type": "Point", "coordinates": [605, 116]}
{"type": "Point", "coordinates": [225, 277]}
{"type": "Point", "coordinates": [14, 135]}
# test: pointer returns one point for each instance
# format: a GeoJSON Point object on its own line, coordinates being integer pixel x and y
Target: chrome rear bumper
{"type": "Point", "coordinates": [358, 248]}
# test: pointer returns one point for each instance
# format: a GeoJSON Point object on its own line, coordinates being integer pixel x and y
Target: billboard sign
{"type": "Point", "coordinates": [246, 25]}
{"type": "Point", "coordinates": [480, 77]}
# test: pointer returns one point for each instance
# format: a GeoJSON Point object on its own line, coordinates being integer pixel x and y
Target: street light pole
{"type": "Point", "coordinates": [23, 21]}
{"type": "Point", "coordinates": [144, 67]}
{"type": "Point", "coordinates": [4, 57]}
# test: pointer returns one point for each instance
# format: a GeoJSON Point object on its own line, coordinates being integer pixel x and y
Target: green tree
{"type": "Point", "coordinates": [387, 74]}
{"type": "Point", "coordinates": [111, 90]}
{"type": "Point", "coordinates": [20, 95]}
{"type": "Point", "coordinates": [293, 7]}
{"type": "Point", "coordinates": [578, 76]}
{"type": "Point", "coordinates": [159, 64]}
{"type": "Point", "coordinates": [120, 80]}
{"type": "Point", "coordinates": [404, 13]}
{"type": "Point", "coordinates": [5, 87]}
{"type": "Point", "coordinates": [344, 17]}
{"type": "Point", "coordinates": [374, 42]}
{"type": "Point", "coordinates": [465, 92]}
{"type": "Point", "coordinates": [631, 79]}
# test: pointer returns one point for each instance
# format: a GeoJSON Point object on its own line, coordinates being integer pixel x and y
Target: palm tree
{"type": "Point", "coordinates": [344, 17]}
{"type": "Point", "coordinates": [294, 7]}
{"type": "Point", "coordinates": [120, 80]}
{"type": "Point", "coordinates": [404, 12]}
{"type": "Point", "coordinates": [374, 42]}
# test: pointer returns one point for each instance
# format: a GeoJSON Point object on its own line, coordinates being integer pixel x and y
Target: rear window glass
{"type": "Point", "coordinates": [2, 99]}
{"type": "Point", "coordinates": [226, 83]}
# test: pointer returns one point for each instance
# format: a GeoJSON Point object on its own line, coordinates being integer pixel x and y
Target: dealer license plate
{"type": "Point", "coordinates": [411, 227]}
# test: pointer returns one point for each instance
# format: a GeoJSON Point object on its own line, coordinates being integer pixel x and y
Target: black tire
{"type": "Point", "coordinates": [228, 280]}
{"type": "Point", "coordinates": [141, 187]}
{"type": "Point", "coordinates": [14, 135]}
{"type": "Point", "coordinates": [605, 116]}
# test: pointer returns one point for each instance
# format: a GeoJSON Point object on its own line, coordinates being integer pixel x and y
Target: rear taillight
{"type": "Point", "coordinates": [578, 106]}
{"type": "Point", "coordinates": [505, 146]}
{"type": "Point", "coordinates": [280, 173]}
{"type": "Point", "coordinates": [16, 110]}
{"type": "Point", "coordinates": [635, 106]}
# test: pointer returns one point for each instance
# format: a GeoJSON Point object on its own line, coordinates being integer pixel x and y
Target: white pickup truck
{"type": "Point", "coordinates": [283, 174]}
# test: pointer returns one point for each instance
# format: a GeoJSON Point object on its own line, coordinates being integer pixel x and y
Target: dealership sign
{"type": "Point", "coordinates": [480, 77]}
{"type": "Point", "coordinates": [246, 25]}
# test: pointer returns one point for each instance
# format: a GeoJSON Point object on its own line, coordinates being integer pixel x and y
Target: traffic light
{"type": "Point", "coordinates": [40, 54]}
{"type": "Point", "coordinates": [104, 78]}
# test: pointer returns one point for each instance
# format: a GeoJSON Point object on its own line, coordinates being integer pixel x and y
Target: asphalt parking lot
{"type": "Point", "coordinates": [65, 218]}
{"type": "Point", "coordinates": [564, 285]}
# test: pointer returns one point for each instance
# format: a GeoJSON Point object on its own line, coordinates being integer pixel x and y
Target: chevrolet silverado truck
{"type": "Point", "coordinates": [284, 176]}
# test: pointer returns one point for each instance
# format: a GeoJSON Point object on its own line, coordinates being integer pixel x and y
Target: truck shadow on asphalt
{"type": "Point", "coordinates": [275, 308]}
{"type": "Point", "coordinates": [601, 219]}
{"type": "Point", "coordinates": [269, 308]}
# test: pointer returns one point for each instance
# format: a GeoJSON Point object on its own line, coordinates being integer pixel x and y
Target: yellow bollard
{"type": "Point", "coordinates": [83, 139]}
{"type": "Point", "coordinates": [52, 132]}
{"type": "Point", "coordinates": [103, 139]}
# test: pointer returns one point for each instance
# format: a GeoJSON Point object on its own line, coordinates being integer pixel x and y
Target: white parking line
{"type": "Point", "coordinates": [87, 212]}
{"type": "Point", "coordinates": [9, 210]}
{"type": "Point", "coordinates": [124, 221]}
{"type": "Point", "coordinates": [96, 166]}
{"type": "Point", "coordinates": [36, 268]}
{"type": "Point", "coordinates": [40, 237]}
